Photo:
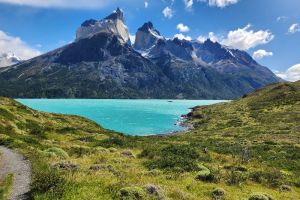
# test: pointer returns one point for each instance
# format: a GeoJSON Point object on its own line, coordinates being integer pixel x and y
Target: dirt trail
{"type": "Point", "coordinates": [14, 163]}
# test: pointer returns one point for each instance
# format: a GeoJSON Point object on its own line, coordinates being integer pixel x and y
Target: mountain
{"type": "Point", "coordinates": [8, 59]}
{"type": "Point", "coordinates": [146, 37]}
{"type": "Point", "coordinates": [102, 63]}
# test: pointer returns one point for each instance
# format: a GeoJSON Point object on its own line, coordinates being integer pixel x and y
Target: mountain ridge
{"type": "Point", "coordinates": [102, 63]}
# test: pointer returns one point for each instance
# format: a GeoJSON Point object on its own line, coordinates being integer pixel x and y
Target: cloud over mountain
{"type": "Point", "coordinates": [259, 54]}
{"type": "Point", "coordinates": [245, 39]}
{"type": "Point", "coordinates": [182, 28]}
{"type": "Point", "coordinates": [15, 45]}
{"type": "Point", "coordinates": [291, 74]}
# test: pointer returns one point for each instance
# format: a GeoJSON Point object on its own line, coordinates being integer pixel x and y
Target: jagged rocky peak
{"type": "Point", "coordinates": [114, 23]}
{"type": "Point", "coordinates": [116, 15]}
{"type": "Point", "coordinates": [146, 37]}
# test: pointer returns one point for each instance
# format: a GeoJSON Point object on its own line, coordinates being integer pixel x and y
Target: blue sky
{"type": "Point", "coordinates": [268, 27]}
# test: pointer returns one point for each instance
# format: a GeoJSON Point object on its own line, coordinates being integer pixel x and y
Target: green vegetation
{"type": "Point", "coordinates": [246, 149]}
{"type": "Point", "coordinates": [5, 186]}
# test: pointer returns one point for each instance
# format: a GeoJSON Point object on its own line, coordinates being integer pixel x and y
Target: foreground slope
{"type": "Point", "coordinates": [245, 149]}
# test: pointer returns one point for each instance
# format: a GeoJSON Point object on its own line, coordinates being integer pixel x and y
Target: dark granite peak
{"type": "Point", "coordinates": [117, 14]}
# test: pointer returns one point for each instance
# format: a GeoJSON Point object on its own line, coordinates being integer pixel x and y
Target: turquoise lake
{"type": "Point", "coordinates": [132, 117]}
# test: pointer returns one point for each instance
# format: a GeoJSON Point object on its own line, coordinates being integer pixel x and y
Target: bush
{"type": "Point", "coordinates": [132, 193]}
{"type": "Point", "coordinates": [54, 151]}
{"type": "Point", "coordinates": [35, 129]}
{"type": "Point", "coordinates": [80, 150]}
{"type": "Point", "coordinates": [127, 153]}
{"type": "Point", "coordinates": [179, 194]}
{"type": "Point", "coordinates": [155, 190]}
{"type": "Point", "coordinates": [272, 178]}
{"type": "Point", "coordinates": [173, 157]}
{"type": "Point", "coordinates": [207, 175]}
{"type": "Point", "coordinates": [204, 173]}
{"type": "Point", "coordinates": [236, 178]}
{"type": "Point", "coordinates": [114, 142]}
{"type": "Point", "coordinates": [218, 193]}
{"type": "Point", "coordinates": [285, 188]}
{"type": "Point", "coordinates": [48, 181]}
{"type": "Point", "coordinates": [260, 196]}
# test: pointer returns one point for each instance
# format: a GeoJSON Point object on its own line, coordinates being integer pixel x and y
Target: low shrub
{"type": "Point", "coordinates": [35, 129]}
{"type": "Point", "coordinates": [132, 193]}
{"type": "Point", "coordinates": [65, 166]}
{"type": "Point", "coordinates": [203, 174]}
{"type": "Point", "coordinates": [179, 194]}
{"type": "Point", "coordinates": [236, 178]}
{"type": "Point", "coordinates": [173, 157]}
{"type": "Point", "coordinates": [285, 188]}
{"type": "Point", "coordinates": [207, 175]}
{"type": "Point", "coordinates": [80, 151]}
{"type": "Point", "coordinates": [218, 193]}
{"type": "Point", "coordinates": [273, 178]}
{"type": "Point", "coordinates": [49, 181]}
{"type": "Point", "coordinates": [55, 151]}
{"type": "Point", "coordinates": [155, 191]}
{"type": "Point", "coordinates": [127, 153]}
{"type": "Point", "coordinates": [260, 196]}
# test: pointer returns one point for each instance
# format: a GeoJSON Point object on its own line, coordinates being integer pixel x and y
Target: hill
{"type": "Point", "coordinates": [244, 149]}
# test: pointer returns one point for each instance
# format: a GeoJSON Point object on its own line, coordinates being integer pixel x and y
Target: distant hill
{"type": "Point", "coordinates": [102, 63]}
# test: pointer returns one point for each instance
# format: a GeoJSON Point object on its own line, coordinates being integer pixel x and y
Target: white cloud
{"type": "Point", "coordinates": [168, 12]}
{"type": "Point", "coordinates": [188, 4]}
{"type": "Point", "coordinates": [292, 74]}
{"type": "Point", "coordinates": [294, 28]}
{"type": "Point", "coordinates": [212, 36]}
{"type": "Point", "coordinates": [259, 54]}
{"type": "Point", "coordinates": [77, 4]}
{"type": "Point", "coordinates": [220, 3]}
{"type": "Point", "coordinates": [245, 39]}
{"type": "Point", "coordinates": [180, 36]}
{"type": "Point", "coordinates": [182, 28]}
{"type": "Point", "coordinates": [11, 44]}
{"type": "Point", "coordinates": [201, 38]}
{"type": "Point", "coordinates": [281, 19]}
{"type": "Point", "coordinates": [146, 4]}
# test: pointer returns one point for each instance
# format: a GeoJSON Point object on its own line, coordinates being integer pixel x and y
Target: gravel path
{"type": "Point", "coordinates": [14, 163]}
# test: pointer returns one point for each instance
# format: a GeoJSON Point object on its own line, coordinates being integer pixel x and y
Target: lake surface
{"type": "Point", "coordinates": [133, 117]}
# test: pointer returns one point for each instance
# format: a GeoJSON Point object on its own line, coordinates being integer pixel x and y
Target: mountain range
{"type": "Point", "coordinates": [102, 62]}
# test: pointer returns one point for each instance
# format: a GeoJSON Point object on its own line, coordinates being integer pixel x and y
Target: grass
{"type": "Point", "coordinates": [243, 148]}
{"type": "Point", "coordinates": [5, 186]}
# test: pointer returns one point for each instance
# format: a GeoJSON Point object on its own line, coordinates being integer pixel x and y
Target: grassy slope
{"type": "Point", "coordinates": [249, 145]}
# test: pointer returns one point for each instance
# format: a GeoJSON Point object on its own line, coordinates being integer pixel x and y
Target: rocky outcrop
{"type": "Point", "coordinates": [113, 24]}
{"type": "Point", "coordinates": [146, 37]}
